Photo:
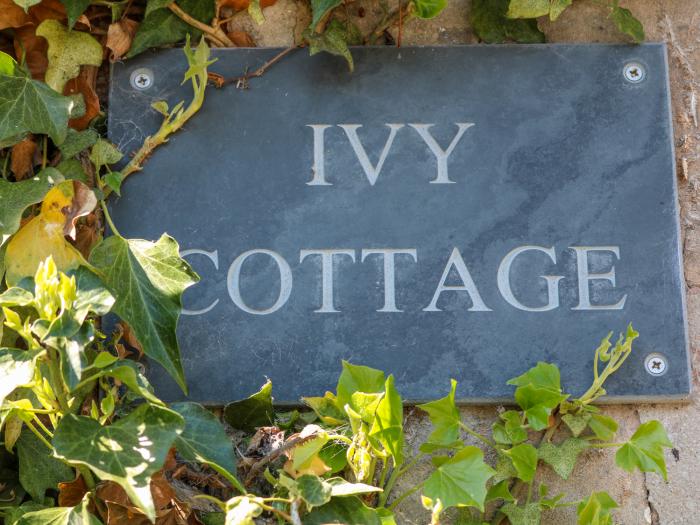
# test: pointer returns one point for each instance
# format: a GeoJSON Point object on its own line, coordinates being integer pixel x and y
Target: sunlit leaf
{"type": "Point", "coordinates": [444, 416]}
{"type": "Point", "coordinates": [78, 515]}
{"type": "Point", "coordinates": [645, 449]}
{"type": "Point", "coordinates": [127, 452]}
{"type": "Point", "coordinates": [460, 480]}
{"type": "Point", "coordinates": [43, 236]}
{"type": "Point", "coordinates": [16, 369]}
{"type": "Point", "coordinates": [387, 427]}
{"type": "Point", "coordinates": [524, 458]}
{"type": "Point", "coordinates": [596, 510]}
{"type": "Point", "coordinates": [358, 378]}
{"type": "Point", "coordinates": [428, 8]}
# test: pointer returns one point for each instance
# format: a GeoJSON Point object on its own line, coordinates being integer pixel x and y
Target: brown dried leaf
{"type": "Point", "coordinates": [22, 160]}
{"type": "Point", "coordinates": [12, 15]}
{"type": "Point", "coordinates": [87, 235]}
{"type": "Point", "coordinates": [119, 37]}
{"type": "Point", "coordinates": [47, 10]}
{"type": "Point", "coordinates": [84, 84]}
{"type": "Point", "coordinates": [32, 49]}
{"type": "Point", "coordinates": [241, 39]}
{"type": "Point", "coordinates": [70, 493]}
{"type": "Point", "coordinates": [127, 334]}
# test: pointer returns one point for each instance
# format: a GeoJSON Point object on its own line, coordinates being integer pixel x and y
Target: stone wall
{"type": "Point", "coordinates": [643, 499]}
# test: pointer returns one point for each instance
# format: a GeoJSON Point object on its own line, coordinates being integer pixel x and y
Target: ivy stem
{"type": "Point", "coordinates": [58, 386]}
{"type": "Point", "coordinates": [42, 426]}
{"type": "Point", "coordinates": [478, 436]}
{"type": "Point", "coordinates": [605, 445]}
{"type": "Point", "coordinates": [108, 218]}
{"type": "Point", "coordinates": [404, 495]}
{"type": "Point", "coordinates": [412, 463]}
{"type": "Point", "coordinates": [39, 434]}
{"type": "Point", "coordinates": [395, 473]}
{"type": "Point", "coordinates": [214, 33]}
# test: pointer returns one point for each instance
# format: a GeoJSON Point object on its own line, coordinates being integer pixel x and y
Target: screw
{"type": "Point", "coordinates": [141, 78]}
{"type": "Point", "coordinates": [655, 364]}
{"type": "Point", "coordinates": [634, 72]}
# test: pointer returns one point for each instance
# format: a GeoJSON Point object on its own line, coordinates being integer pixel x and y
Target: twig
{"type": "Point", "coordinates": [242, 81]}
{"type": "Point", "coordinates": [262, 463]}
{"type": "Point", "coordinates": [215, 33]}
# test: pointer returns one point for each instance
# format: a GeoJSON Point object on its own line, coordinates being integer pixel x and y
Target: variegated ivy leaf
{"type": "Point", "coordinates": [127, 452]}
{"type": "Point", "coordinates": [148, 280]}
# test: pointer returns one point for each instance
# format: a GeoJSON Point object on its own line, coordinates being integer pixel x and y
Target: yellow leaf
{"type": "Point", "coordinates": [43, 236]}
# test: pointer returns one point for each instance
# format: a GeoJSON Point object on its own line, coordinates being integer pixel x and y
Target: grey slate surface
{"type": "Point", "coordinates": [563, 152]}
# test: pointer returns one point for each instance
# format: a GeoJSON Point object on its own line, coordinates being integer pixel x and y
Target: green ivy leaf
{"type": "Point", "coordinates": [604, 427]}
{"type": "Point", "coordinates": [627, 23]}
{"type": "Point", "coordinates": [444, 417]}
{"type": "Point", "coordinates": [596, 510]}
{"type": "Point", "coordinates": [49, 113]}
{"type": "Point", "coordinates": [326, 408]}
{"type": "Point", "coordinates": [74, 8]}
{"type": "Point", "coordinates": [104, 153]}
{"type": "Point", "coordinates": [645, 449]}
{"type": "Point", "coordinates": [504, 470]}
{"type": "Point", "coordinates": [253, 412]}
{"type": "Point", "coordinates": [577, 423]}
{"type": "Point", "coordinates": [527, 8]}
{"type": "Point", "coordinates": [38, 469]}
{"type": "Point", "coordinates": [161, 26]}
{"type": "Point", "coordinates": [500, 491]}
{"type": "Point", "coordinates": [538, 393]}
{"type": "Point", "coordinates": [148, 279]}
{"type": "Point", "coordinates": [488, 18]}
{"type": "Point", "coordinates": [387, 427]}
{"type": "Point", "coordinates": [333, 40]}
{"type": "Point", "coordinates": [204, 439]}
{"type": "Point", "coordinates": [78, 515]}
{"type": "Point", "coordinates": [511, 431]}
{"type": "Point", "coordinates": [313, 490]}
{"type": "Point", "coordinates": [358, 378]}
{"type": "Point", "coordinates": [428, 8]}
{"type": "Point", "coordinates": [17, 196]}
{"type": "Point", "coordinates": [342, 488]}
{"type": "Point", "coordinates": [320, 8]}
{"type": "Point", "coordinates": [346, 511]}
{"type": "Point", "coordinates": [68, 50]}
{"type": "Point", "coordinates": [524, 458]}
{"type": "Point", "coordinates": [127, 372]}
{"type": "Point", "coordinates": [16, 369]}
{"type": "Point", "coordinates": [562, 458]}
{"type": "Point", "coordinates": [7, 64]}
{"type": "Point", "coordinates": [127, 452]}
{"type": "Point", "coordinates": [529, 514]}
{"type": "Point", "coordinates": [460, 480]}
{"type": "Point", "coordinates": [72, 169]}
{"type": "Point", "coordinates": [77, 141]}
{"type": "Point", "coordinates": [73, 357]}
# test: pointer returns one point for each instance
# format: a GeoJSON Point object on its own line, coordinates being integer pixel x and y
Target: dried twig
{"type": "Point", "coordinates": [214, 33]}
{"type": "Point", "coordinates": [258, 467]}
{"type": "Point", "coordinates": [242, 81]}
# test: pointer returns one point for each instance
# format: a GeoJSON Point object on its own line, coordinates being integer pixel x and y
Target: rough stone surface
{"type": "Point", "coordinates": [644, 499]}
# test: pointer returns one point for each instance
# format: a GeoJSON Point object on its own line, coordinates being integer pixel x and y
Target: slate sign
{"type": "Point", "coordinates": [442, 212]}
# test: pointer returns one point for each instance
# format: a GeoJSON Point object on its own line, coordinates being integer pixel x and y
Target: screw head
{"type": "Point", "coordinates": [655, 364]}
{"type": "Point", "coordinates": [634, 72]}
{"type": "Point", "coordinates": [141, 78]}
